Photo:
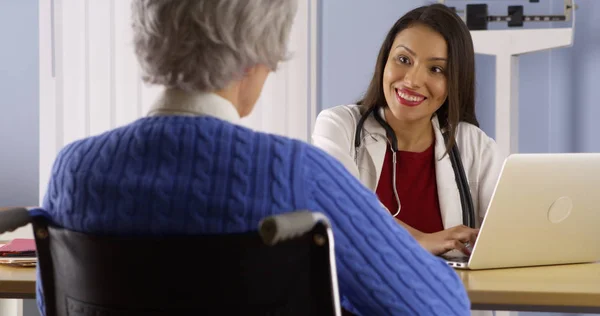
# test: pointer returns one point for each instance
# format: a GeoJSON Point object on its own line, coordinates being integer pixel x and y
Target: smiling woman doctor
{"type": "Point", "coordinates": [414, 137]}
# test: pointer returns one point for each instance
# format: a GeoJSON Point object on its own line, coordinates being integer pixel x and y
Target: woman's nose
{"type": "Point", "coordinates": [414, 77]}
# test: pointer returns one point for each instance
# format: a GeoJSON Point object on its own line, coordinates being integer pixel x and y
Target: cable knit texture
{"type": "Point", "coordinates": [196, 175]}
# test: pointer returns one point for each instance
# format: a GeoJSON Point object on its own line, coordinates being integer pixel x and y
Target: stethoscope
{"type": "Point", "coordinates": [466, 201]}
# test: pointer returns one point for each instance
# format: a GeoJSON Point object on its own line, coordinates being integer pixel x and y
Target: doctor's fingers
{"type": "Point", "coordinates": [464, 228]}
{"type": "Point", "coordinates": [458, 245]}
{"type": "Point", "coordinates": [464, 234]}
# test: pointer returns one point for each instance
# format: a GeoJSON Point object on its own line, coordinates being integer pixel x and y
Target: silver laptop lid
{"type": "Point", "coordinates": [545, 210]}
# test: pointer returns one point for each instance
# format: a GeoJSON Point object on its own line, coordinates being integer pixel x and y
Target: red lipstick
{"type": "Point", "coordinates": [408, 97]}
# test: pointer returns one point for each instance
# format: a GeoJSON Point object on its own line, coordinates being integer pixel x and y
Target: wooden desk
{"type": "Point", "coordinates": [568, 288]}
{"type": "Point", "coordinates": [565, 288]}
{"type": "Point", "coordinates": [17, 282]}
{"type": "Point", "coordinates": [4, 208]}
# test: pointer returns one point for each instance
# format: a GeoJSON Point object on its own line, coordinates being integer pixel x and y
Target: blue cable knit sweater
{"type": "Point", "coordinates": [195, 175]}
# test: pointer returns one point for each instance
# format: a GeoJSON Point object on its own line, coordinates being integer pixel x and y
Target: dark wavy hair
{"type": "Point", "coordinates": [459, 106]}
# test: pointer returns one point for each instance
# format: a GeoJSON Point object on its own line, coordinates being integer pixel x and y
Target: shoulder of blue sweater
{"type": "Point", "coordinates": [74, 146]}
{"type": "Point", "coordinates": [201, 121]}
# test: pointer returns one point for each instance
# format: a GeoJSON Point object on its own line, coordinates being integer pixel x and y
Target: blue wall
{"type": "Point", "coordinates": [19, 112]}
{"type": "Point", "coordinates": [584, 75]}
{"type": "Point", "coordinates": [558, 88]}
{"type": "Point", "coordinates": [19, 99]}
{"type": "Point", "coordinates": [350, 38]}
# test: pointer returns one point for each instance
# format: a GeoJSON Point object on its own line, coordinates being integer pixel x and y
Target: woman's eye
{"type": "Point", "coordinates": [437, 70]}
{"type": "Point", "coordinates": [403, 59]}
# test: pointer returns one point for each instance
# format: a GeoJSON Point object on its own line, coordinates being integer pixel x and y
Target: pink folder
{"type": "Point", "coordinates": [18, 247]}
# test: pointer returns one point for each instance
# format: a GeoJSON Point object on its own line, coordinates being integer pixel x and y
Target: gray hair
{"type": "Point", "coordinates": [203, 45]}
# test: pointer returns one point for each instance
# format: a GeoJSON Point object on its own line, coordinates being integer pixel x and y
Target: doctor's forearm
{"type": "Point", "coordinates": [413, 232]}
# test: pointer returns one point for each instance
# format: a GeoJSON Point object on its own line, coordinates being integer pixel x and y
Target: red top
{"type": "Point", "coordinates": [417, 189]}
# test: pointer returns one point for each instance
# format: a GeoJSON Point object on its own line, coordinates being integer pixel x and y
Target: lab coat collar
{"type": "Point", "coordinates": [179, 102]}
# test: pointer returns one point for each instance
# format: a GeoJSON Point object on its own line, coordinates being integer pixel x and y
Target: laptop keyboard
{"type": "Point", "coordinates": [462, 259]}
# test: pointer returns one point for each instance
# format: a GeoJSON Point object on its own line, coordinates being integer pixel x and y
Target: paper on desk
{"type": "Point", "coordinates": [19, 262]}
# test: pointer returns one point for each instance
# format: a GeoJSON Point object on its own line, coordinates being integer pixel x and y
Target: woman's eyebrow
{"type": "Point", "coordinates": [415, 54]}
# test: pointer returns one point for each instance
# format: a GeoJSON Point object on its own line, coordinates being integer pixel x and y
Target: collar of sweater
{"type": "Point", "coordinates": [178, 102]}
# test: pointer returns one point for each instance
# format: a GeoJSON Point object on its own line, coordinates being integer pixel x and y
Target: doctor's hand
{"type": "Point", "coordinates": [449, 239]}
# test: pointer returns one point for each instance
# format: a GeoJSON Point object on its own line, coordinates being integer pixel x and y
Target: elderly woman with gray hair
{"type": "Point", "coordinates": [189, 168]}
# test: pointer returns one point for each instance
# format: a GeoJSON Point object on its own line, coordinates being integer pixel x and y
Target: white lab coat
{"type": "Point", "coordinates": [334, 132]}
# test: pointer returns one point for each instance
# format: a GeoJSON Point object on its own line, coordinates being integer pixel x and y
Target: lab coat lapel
{"type": "Point", "coordinates": [448, 195]}
{"type": "Point", "coordinates": [376, 146]}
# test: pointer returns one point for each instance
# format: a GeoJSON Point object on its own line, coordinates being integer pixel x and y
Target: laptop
{"type": "Point", "coordinates": [545, 210]}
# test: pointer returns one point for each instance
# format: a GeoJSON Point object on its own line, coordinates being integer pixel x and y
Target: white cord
{"type": "Point", "coordinates": [394, 184]}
